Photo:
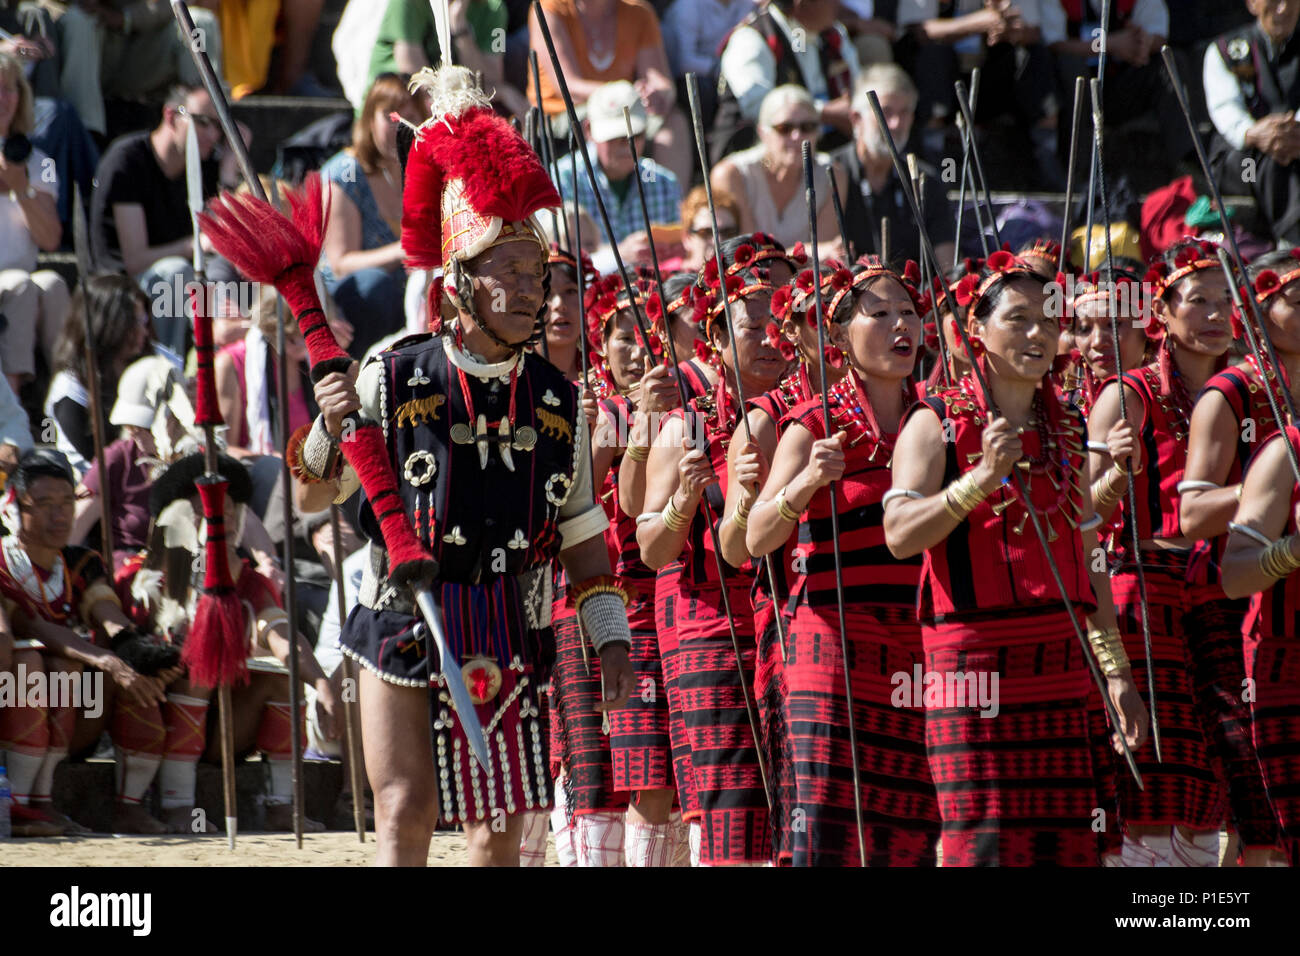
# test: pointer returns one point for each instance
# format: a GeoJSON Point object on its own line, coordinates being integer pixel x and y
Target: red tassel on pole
{"type": "Point", "coordinates": [216, 649]}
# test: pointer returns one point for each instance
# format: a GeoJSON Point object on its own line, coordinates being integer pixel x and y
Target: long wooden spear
{"type": "Point", "coordinates": [819, 320]}
{"type": "Point", "coordinates": [1098, 124]}
{"type": "Point", "coordinates": [581, 144]}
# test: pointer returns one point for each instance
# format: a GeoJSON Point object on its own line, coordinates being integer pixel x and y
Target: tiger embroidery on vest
{"type": "Point", "coordinates": [419, 409]}
{"type": "Point", "coordinates": [554, 425]}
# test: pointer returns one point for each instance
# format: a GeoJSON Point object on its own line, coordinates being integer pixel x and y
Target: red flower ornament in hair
{"type": "Point", "coordinates": [782, 301]}
{"type": "Point", "coordinates": [1001, 261]}
{"type": "Point", "coordinates": [912, 272]}
{"type": "Point", "coordinates": [744, 256]}
{"type": "Point", "coordinates": [805, 281]}
{"type": "Point", "coordinates": [1266, 283]}
{"type": "Point", "coordinates": [799, 255]}
{"type": "Point", "coordinates": [654, 309]}
{"type": "Point", "coordinates": [841, 279]}
{"type": "Point", "coordinates": [964, 290]}
{"type": "Point", "coordinates": [711, 272]}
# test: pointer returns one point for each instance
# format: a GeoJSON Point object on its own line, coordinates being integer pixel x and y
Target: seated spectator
{"type": "Point", "coordinates": [1017, 76]}
{"type": "Point", "coordinates": [249, 38]}
{"type": "Point", "coordinates": [362, 262]}
{"type": "Point", "coordinates": [697, 226]}
{"type": "Point", "coordinates": [873, 36]}
{"type": "Point", "coordinates": [1252, 80]}
{"type": "Point", "coordinates": [874, 192]}
{"type": "Point", "coordinates": [1136, 81]}
{"type": "Point", "coordinates": [130, 50]}
{"type": "Point", "coordinates": [15, 429]}
{"type": "Point", "coordinates": [248, 380]}
{"type": "Point", "coordinates": [53, 592]}
{"type": "Point", "coordinates": [768, 177]}
{"type": "Point", "coordinates": [605, 41]}
{"type": "Point", "coordinates": [120, 333]}
{"type": "Point", "coordinates": [762, 54]}
{"type": "Point", "coordinates": [34, 303]}
{"type": "Point", "coordinates": [139, 216]}
{"type": "Point", "coordinates": [31, 41]}
{"type": "Point", "coordinates": [161, 595]}
{"type": "Point", "coordinates": [612, 160]}
{"type": "Point", "coordinates": [691, 30]}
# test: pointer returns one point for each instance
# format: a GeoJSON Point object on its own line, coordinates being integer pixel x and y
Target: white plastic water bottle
{"type": "Point", "coordinates": [6, 795]}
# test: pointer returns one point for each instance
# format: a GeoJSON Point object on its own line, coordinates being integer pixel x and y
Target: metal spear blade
{"type": "Point", "coordinates": [460, 699]}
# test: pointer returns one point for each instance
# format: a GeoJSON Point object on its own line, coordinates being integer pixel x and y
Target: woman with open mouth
{"type": "Point", "coordinates": [876, 330]}
{"type": "Point", "coordinates": [1175, 820]}
{"type": "Point", "coordinates": [1021, 788]}
{"type": "Point", "coordinates": [1230, 423]}
{"type": "Point", "coordinates": [712, 737]}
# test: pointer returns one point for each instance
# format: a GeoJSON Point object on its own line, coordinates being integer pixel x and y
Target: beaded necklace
{"type": "Point", "coordinates": [852, 407]}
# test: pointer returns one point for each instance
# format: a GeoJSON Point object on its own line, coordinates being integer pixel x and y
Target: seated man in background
{"type": "Point", "coordinates": [612, 159]}
{"type": "Point", "coordinates": [1252, 80]}
{"type": "Point", "coordinates": [139, 217]}
{"type": "Point", "coordinates": [770, 48]}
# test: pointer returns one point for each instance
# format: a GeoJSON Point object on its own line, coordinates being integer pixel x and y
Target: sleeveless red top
{"type": "Point", "coordinates": [871, 574]}
{"type": "Point", "coordinates": [1276, 612]}
{"type": "Point", "coordinates": [993, 562]}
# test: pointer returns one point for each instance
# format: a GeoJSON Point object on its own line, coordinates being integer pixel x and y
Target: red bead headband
{"type": "Point", "coordinates": [1269, 283]}
{"type": "Point", "coordinates": [736, 290]}
{"type": "Point", "coordinates": [1004, 265]}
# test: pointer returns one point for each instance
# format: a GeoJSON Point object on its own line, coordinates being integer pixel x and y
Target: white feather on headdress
{"type": "Point", "coordinates": [442, 24]}
{"type": "Point", "coordinates": [451, 90]}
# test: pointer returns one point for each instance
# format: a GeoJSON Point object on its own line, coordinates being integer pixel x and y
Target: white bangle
{"type": "Point", "coordinates": [1196, 485]}
{"type": "Point", "coordinates": [893, 494]}
{"type": "Point", "coordinates": [1099, 446]}
{"type": "Point", "coordinates": [1091, 524]}
{"type": "Point", "coordinates": [1257, 536]}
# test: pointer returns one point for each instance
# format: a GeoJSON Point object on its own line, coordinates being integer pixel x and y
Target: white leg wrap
{"type": "Point", "coordinates": [648, 844]}
{"type": "Point", "coordinates": [696, 838]}
{"type": "Point", "coordinates": [532, 843]}
{"type": "Point", "coordinates": [176, 785]}
{"type": "Point", "coordinates": [565, 849]}
{"type": "Point", "coordinates": [281, 781]}
{"type": "Point", "coordinates": [134, 773]}
{"type": "Point", "coordinates": [44, 783]}
{"type": "Point", "coordinates": [599, 839]}
{"type": "Point", "coordinates": [23, 768]}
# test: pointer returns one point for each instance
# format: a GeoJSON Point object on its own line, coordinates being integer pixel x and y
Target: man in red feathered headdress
{"type": "Point", "coordinates": [490, 448]}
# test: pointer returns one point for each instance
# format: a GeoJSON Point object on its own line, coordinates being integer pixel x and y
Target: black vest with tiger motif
{"type": "Point", "coordinates": [478, 517]}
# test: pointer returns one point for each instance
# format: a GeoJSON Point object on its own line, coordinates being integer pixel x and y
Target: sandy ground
{"type": "Point", "coordinates": [253, 849]}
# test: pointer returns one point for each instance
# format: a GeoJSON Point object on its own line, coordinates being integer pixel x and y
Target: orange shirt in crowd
{"type": "Point", "coordinates": [635, 27]}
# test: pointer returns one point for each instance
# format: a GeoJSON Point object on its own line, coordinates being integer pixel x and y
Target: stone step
{"type": "Point", "coordinates": [84, 791]}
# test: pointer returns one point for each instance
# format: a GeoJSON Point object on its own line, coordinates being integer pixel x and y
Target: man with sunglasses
{"type": "Point", "coordinates": [874, 191]}
{"type": "Point", "coordinates": [139, 218]}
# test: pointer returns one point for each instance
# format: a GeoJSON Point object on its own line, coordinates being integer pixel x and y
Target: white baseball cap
{"type": "Point", "coordinates": [143, 387]}
{"type": "Point", "coordinates": [605, 111]}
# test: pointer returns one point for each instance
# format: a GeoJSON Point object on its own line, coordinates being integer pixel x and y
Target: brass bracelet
{"type": "Point", "coordinates": [1277, 560]}
{"type": "Point", "coordinates": [963, 496]}
{"type": "Point", "coordinates": [741, 516]}
{"type": "Point", "coordinates": [1104, 492]}
{"type": "Point", "coordinates": [1108, 648]}
{"type": "Point", "coordinates": [638, 453]}
{"type": "Point", "coordinates": [674, 520]}
{"type": "Point", "coordinates": [784, 509]}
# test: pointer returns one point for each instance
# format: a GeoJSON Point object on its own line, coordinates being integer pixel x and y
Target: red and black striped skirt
{"type": "Point", "coordinates": [1273, 664]}
{"type": "Point", "coordinates": [638, 732]}
{"type": "Point", "coordinates": [714, 730]}
{"type": "Point", "coordinates": [1020, 787]}
{"type": "Point", "coordinates": [1186, 789]}
{"type": "Point", "coordinates": [770, 695]}
{"type": "Point", "coordinates": [899, 805]}
{"type": "Point", "coordinates": [577, 733]}
{"type": "Point", "coordinates": [679, 749]}
{"type": "Point", "coordinates": [1213, 625]}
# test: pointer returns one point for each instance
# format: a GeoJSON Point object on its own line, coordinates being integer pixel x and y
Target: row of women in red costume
{"type": "Point", "coordinates": [977, 733]}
